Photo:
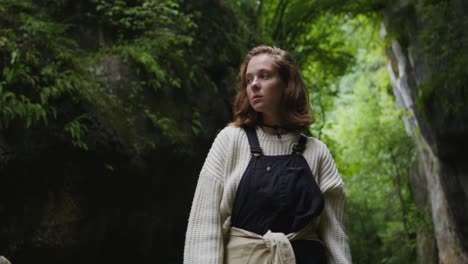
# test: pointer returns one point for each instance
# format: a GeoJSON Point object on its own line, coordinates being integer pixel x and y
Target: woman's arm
{"type": "Point", "coordinates": [204, 236]}
{"type": "Point", "coordinates": [203, 240]}
{"type": "Point", "coordinates": [333, 227]}
{"type": "Point", "coordinates": [334, 218]}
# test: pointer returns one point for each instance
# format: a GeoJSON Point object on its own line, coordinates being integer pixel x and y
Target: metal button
{"type": "Point", "coordinates": [268, 169]}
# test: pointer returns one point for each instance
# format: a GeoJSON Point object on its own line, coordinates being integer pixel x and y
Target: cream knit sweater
{"type": "Point", "coordinates": [224, 166]}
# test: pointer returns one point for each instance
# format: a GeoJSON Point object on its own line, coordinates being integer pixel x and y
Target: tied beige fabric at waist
{"type": "Point", "coordinates": [245, 247]}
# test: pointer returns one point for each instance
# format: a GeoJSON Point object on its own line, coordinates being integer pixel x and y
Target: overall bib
{"type": "Point", "coordinates": [276, 199]}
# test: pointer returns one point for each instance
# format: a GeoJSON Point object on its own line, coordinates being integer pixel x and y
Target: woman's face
{"type": "Point", "coordinates": [264, 86]}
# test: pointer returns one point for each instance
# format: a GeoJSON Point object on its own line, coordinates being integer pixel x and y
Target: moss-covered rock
{"type": "Point", "coordinates": [429, 73]}
{"type": "Point", "coordinates": [102, 167]}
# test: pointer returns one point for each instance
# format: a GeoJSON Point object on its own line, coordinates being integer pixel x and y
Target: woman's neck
{"type": "Point", "coordinates": [273, 126]}
{"type": "Point", "coordinates": [273, 130]}
{"type": "Point", "coordinates": [271, 120]}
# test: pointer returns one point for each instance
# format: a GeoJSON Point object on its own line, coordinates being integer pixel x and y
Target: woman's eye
{"type": "Point", "coordinates": [248, 80]}
{"type": "Point", "coordinates": [265, 76]}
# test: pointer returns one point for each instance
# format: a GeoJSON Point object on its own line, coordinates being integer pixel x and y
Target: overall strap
{"type": "Point", "coordinates": [300, 146]}
{"type": "Point", "coordinates": [255, 148]}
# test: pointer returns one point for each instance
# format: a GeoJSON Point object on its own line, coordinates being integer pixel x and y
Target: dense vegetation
{"type": "Point", "coordinates": [149, 79]}
{"type": "Point", "coordinates": [52, 58]}
{"type": "Point", "coordinates": [105, 107]}
{"type": "Point", "coordinates": [374, 154]}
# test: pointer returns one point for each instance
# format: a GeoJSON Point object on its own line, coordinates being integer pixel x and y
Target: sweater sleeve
{"type": "Point", "coordinates": [334, 219]}
{"type": "Point", "coordinates": [204, 237]}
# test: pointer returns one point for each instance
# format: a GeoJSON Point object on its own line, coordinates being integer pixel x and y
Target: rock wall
{"type": "Point", "coordinates": [126, 198]}
{"type": "Point", "coordinates": [420, 57]}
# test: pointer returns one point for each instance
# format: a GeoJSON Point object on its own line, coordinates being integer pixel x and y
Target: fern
{"type": "Point", "coordinates": [77, 131]}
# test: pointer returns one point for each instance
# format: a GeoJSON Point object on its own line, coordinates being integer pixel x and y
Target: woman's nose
{"type": "Point", "coordinates": [254, 84]}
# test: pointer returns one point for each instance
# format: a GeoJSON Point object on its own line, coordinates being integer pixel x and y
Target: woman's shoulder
{"type": "Point", "coordinates": [324, 165]}
{"type": "Point", "coordinates": [318, 149]}
{"type": "Point", "coordinates": [316, 144]}
{"type": "Point", "coordinates": [229, 131]}
{"type": "Point", "coordinates": [228, 134]}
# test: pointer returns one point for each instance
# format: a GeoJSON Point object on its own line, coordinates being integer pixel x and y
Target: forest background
{"type": "Point", "coordinates": [108, 108]}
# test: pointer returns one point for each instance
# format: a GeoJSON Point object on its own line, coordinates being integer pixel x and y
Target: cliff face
{"type": "Point", "coordinates": [126, 197]}
{"type": "Point", "coordinates": [429, 73]}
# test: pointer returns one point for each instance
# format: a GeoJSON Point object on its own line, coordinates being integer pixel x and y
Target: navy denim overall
{"type": "Point", "coordinates": [279, 193]}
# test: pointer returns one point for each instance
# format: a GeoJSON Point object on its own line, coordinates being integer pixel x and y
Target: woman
{"type": "Point", "coordinates": [266, 193]}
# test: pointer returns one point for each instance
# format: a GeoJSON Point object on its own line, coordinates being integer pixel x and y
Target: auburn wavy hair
{"type": "Point", "coordinates": [296, 114]}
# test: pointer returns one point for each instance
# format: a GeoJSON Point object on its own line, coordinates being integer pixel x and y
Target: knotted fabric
{"type": "Point", "coordinates": [245, 247]}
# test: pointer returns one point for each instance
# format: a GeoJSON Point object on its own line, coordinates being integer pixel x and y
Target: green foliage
{"type": "Point", "coordinates": [39, 66]}
{"type": "Point", "coordinates": [299, 27]}
{"type": "Point", "coordinates": [374, 154]}
{"type": "Point", "coordinates": [13, 107]}
{"type": "Point", "coordinates": [164, 95]}
{"type": "Point", "coordinates": [130, 19]}
{"type": "Point", "coordinates": [442, 41]}
{"type": "Point", "coordinates": [310, 29]}
{"type": "Point", "coordinates": [77, 131]}
{"type": "Point", "coordinates": [158, 54]}
{"type": "Point", "coordinates": [156, 44]}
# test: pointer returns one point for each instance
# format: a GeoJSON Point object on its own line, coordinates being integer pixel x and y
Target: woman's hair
{"type": "Point", "coordinates": [296, 111]}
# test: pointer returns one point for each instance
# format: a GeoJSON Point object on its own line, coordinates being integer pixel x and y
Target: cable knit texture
{"type": "Point", "coordinates": [209, 220]}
